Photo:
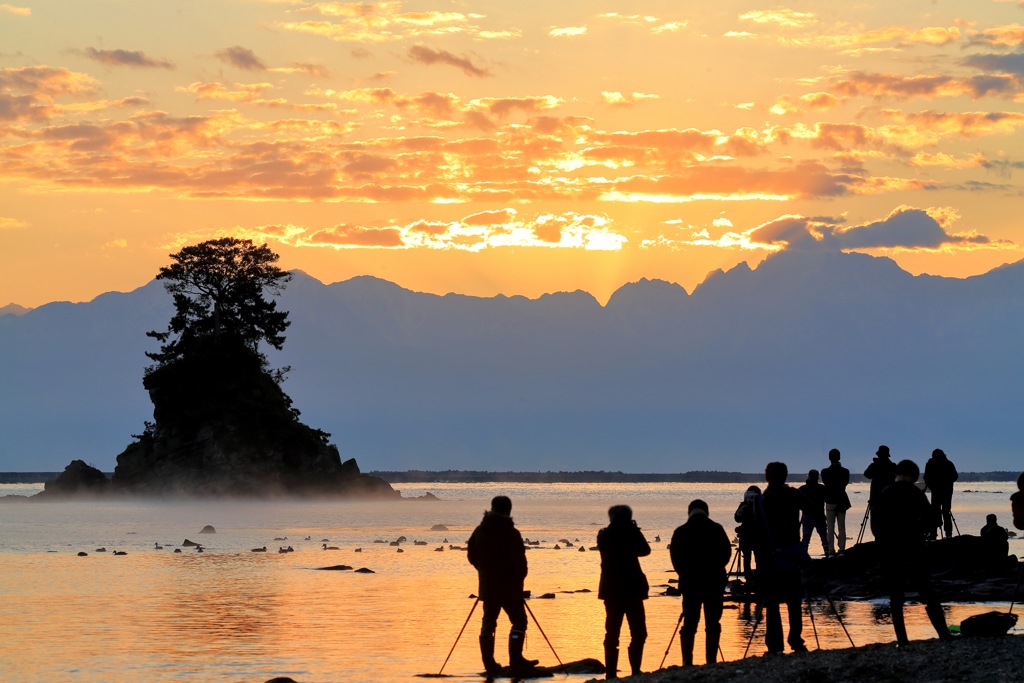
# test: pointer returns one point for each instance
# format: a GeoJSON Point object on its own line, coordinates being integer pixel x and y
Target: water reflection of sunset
{"type": "Point", "coordinates": [230, 614]}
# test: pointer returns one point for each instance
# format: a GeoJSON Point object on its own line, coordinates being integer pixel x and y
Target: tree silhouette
{"type": "Point", "coordinates": [219, 289]}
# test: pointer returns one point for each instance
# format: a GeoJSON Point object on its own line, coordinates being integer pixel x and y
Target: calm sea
{"type": "Point", "coordinates": [229, 614]}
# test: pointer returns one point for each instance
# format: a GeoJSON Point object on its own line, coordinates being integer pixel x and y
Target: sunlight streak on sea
{"type": "Point", "coordinates": [229, 614]}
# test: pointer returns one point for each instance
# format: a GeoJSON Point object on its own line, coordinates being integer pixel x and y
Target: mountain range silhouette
{"type": "Point", "coordinates": [809, 351]}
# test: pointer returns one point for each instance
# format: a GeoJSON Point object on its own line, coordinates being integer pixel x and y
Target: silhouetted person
{"type": "Point", "coordinates": [623, 587]}
{"type": "Point", "coordinates": [747, 533]}
{"type": "Point", "coordinates": [496, 550]}
{"type": "Point", "coordinates": [700, 552]}
{"type": "Point", "coordinates": [815, 520]}
{"type": "Point", "coordinates": [1017, 504]}
{"type": "Point", "coordinates": [995, 539]}
{"type": "Point", "coordinates": [779, 557]}
{"type": "Point", "coordinates": [881, 472]}
{"type": "Point", "coordinates": [939, 475]}
{"type": "Point", "coordinates": [836, 478]}
{"type": "Point", "coordinates": [902, 519]}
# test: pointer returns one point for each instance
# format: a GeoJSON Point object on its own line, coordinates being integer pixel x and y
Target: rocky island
{"type": "Point", "coordinates": [222, 424]}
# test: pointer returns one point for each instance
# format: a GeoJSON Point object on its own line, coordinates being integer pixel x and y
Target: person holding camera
{"type": "Point", "coordinates": [497, 552]}
{"type": "Point", "coordinates": [700, 552]}
{"type": "Point", "coordinates": [623, 587]}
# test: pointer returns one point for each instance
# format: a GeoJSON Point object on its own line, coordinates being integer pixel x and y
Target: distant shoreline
{"type": "Point", "coordinates": [579, 477]}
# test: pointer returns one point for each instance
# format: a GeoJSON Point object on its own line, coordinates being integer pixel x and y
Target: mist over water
{"type": "Point", "coordinates": [229, 614]}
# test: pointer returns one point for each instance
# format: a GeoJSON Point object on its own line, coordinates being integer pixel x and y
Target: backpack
{"type": "Point", "coordinates": [988, 624]}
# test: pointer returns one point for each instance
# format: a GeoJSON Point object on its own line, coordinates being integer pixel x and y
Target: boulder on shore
{"type": "Point", "coordinates": [77, 479]}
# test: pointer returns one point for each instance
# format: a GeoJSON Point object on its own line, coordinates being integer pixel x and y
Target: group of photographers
{"type": "Point", "coordinates": [775, 525]}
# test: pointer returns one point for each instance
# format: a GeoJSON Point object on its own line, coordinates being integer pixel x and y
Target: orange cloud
{"type": "Point", "coordinates": [426, 55]}
{"type": "Point", "coordinates": [617, 99]}
{"type": "Point", "coordinates": [1010, 35]}
{"type": "Point", "coordinates": [241, 58]}
{"type": "Point", "coordinates": [29, 93]}
{"type": "Point", "coordinates": [15, 9]}
{"type": "Point", "coordinates": [386, 22]}
{"type": "Point", "coordinates": [785, 18]}
{"type": "Point", "coordinates": [133, 58]}
{"type": "Point", "coordinates": [881, 85]}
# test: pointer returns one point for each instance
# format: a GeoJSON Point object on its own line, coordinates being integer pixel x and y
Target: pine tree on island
{"type": "Point", "coordinates": [222, 424]}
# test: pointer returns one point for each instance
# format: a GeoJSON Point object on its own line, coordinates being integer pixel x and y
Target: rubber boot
{"type": "Point", "coordinates": [487, 655]}
{"type": "Point", "coordinates": [636, 657]}
{"type": "Point", "coordinates": [899, 626]}
{"type": "Point", "coordinates": [686, 640]}
{"type": "Point", "coordinates": [518, 663]}
{"type": "Point", "coordinates": [611, 662]}
{"type": "Point", "coordinates": [938, 619]}
{"type": "Point", "coordinates": [711, 646]}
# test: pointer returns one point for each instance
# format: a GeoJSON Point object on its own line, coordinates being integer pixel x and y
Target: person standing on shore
{"type": "Point", "coordinates": [815, 520]}
{"type": "Point", "coordinates": [700, 552]}
{"type": "Point", "coordinates": [836, 478]}
{"type": "Point", "coordinates": [1017, 504]}
{"type": "Point", "coordinates": [902, 520]}
{"type": "Point", "coordinates": [497, 552]}
{"type": "Point", "coordinates": [881, 472]}
{"type": "Point", "coordinates": [623, 587]}
{"type": "Point", "coordinates": [747, 534]}
{"type": "Point", "coordinates": [939, 475]}
{"type": "Point", "coordinates": [780, 557]}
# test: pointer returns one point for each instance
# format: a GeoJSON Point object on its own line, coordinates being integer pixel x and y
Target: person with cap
{"type": "Point", "coordinates": [901, 521]}
{"type": "Point", "coordinates": [815, 520]}
{"type": "Point", "coordinates": [497, 552]}
{"type": "Point", "coordinates": [623, 587]}
{"type": "Point", "coordinates": [700, 552]}
{"type": "Point", "coordinates": [939, 475]}
{"type": "Point", "coordinates": [881, 472]}
{"type": "Point", "coordinates": [835, 478]}
{"type": "Point", "coordinates": [780, 557]}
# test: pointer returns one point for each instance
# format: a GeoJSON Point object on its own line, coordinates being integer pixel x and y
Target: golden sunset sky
{"type": "Point", "coordinates": [505, 147]}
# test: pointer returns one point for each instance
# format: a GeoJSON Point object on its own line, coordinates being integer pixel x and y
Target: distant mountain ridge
{"type": "Point", "coordinates": [809, 351]}
{"type": "Point", "coordinates": [13, 309]}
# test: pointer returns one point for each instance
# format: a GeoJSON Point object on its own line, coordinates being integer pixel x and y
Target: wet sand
{"type": "Point", "coordinates": [963, 660]}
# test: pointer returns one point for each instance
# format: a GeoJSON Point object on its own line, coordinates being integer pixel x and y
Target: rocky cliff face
{"type": "Point", "coordinates": [223, 426]}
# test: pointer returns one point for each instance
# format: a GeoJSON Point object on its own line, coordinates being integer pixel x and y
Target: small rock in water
{"type": "Point", "coordinates": [282, 679]}
{"type": "Point", "coordinates": [189, 544]}
{"type": "Point", "coordinates": [335, 568]}
{"type": "Point", "coordinates": [83, 554]}
{"type": "Point", "coordinates": [207, 530]}
{"type": "Point", "coordinates": [364, 570]}
{"type": "Point", "coordinates": [439, 527]}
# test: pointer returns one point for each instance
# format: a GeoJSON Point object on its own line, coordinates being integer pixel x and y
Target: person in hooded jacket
{"type": "Point", "coordinates": [939, 475]}
{"type": "Point", "coordinates": [700, 552]}
{"type": "Point", "coordinates": [497, 552]}
{"type": "Point", "coordinates": [901, 521]}
{"type": "Point", "coordinates": [623, 587]}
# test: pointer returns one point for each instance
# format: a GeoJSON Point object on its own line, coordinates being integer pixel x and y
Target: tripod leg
{"type": "Point", "coordinates": [670, 641]}
{"type": "Point", "coordinates": [459, 636]}
{"type": "Point", "coordinates": [864, 523]}
{"type": "Point", "coordinates": [757, 621]}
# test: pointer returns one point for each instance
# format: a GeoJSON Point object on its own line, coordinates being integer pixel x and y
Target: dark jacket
{"type": "Point", "coordinates": [744, 515]}
{"type": "Point", "coordinates": [700, 552]}
{"type": "Point", "coordinates": [816, 496]}
{"type": "Point", "coordinates": [621, 546]}
{"type": "Point", "coordinates": [939, 474]}
{"type": "Point", "coordinates": [778, 512]}
{"type": "Point", "coordinates": [901, 517]}
{"type": "Point", "coordinates": [835, 479]}
{"type": "Point", "coordinates": [496, 550]}
{"type": "Point", "coordinates": [1017, 508]}
{"type": "Point", "coordinates": [881, 472]}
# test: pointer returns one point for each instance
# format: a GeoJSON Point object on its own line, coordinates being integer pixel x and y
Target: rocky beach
{"type": "Point", "coordinates": [964, 660]}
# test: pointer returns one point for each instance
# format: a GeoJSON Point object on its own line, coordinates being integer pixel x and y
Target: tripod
{"type": "Point", "coordinates": [864, 523]}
